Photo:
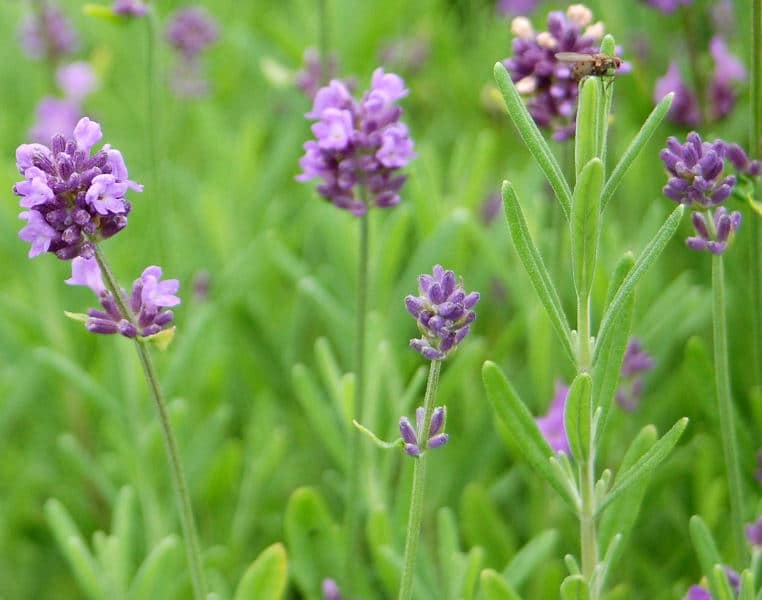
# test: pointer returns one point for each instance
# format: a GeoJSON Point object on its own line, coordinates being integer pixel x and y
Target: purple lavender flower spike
{"type": "Point", "coordinates": [47, 34]}
{"type": "Point", "coordinates": [549, 84]}
{"type": "Point", "coordinates": [668, 6]}
{"type": "Point", "coordinates": [147, 303]}
{"type": "Point", "coordinates": [358, 144]}
{"type": "Point", "coordinates": [443, 312]}
{"type": "Point", "coordinates": [77, 80]}
{"type": "Point", "coordinates": [74, 198]}
{"type": "Point", "coordinates": [331, 590]}
{"type": "Point", "coordinates": [685, 106]}
{"type": "Point", "coordinates": [191, 30]}
{"type": "Point", "coordinates": [516, 7]}
{"type": "Point", "coordinates": [129, 8]}
{"type": "Point", "coordinates": [552, 424]}
{"type": "Point", "coordinates": [412, 436]}
{"type": "Point", "coordinates": [754, 533]}
{"type": "Point", "coordinates": [716, 238]}
{"type": "Point", "coordinates": [728, 71]}
{"type": "Point", "coordinates": [636, 362]}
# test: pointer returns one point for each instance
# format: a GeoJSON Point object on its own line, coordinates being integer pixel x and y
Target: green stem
{"type": "Point", "coordinates": [324, 37]}
{"type": "Point", "coordinates": [587, 532]}
{"type": "Point", "coordinates": [725, 408]}
{"type": "Point", "coordinates": [187, 521]}
{"type": "Point", "coordinates": [585, 350]}
{"type": "Point", "coordinates": [353, 505]}
{"type": "Point", "coordinates": [416, 496]}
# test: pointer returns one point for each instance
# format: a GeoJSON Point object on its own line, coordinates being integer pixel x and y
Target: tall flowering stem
{"type": "Point", "coordinates": [416, 499]}
{"type": "Point", "coordinates": [187, 520]}
{"type": "Point", "coordinates": [755, 148]}
{"type": "Point", "coordinates": [725, 407]}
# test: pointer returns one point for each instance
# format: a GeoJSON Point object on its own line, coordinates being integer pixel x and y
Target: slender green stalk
{"type": "Point", "coordinates": [187, 522]}
{"type": "Point", "coordinates": [416, 496]}
{"type": "Point", "coordinates": [584, 350]}
{"type": "Point", "coordinates": [354, 502]}
{"type": "Point", "coordinates": [697, 73]}
{"type": "Point", "coordinates": [324, 36]}
{"type": "Point", "coordinates": [725, 409]}
{"type": "Point", "coordinates": [587, 531]}
{"type": "Point", "coordinates": [755, 226]}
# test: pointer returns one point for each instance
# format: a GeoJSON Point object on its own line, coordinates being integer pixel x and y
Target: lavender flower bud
{"type": "Point", "coordinates": [73, 198]}
{"type": "Point", "coordinates": [411, 437]}
{"type": "Point", "coordinates": [716, 236]}
{"type": "Point", "coordinates": [358, 143]}
{"type": "Point", "coordinates": [443, 312]}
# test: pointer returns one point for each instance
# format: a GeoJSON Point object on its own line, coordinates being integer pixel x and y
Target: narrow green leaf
{"type": "Point", "coordinates": [650, 253]}
{"type": "Point", "coordinates": [636, 146]}
{"type": "Point", "coordinates": [313, 540]}
{"type": "Point", "coordinates": [578, 416]}
{"type": "Point", "coordinates": [495, 587]}
{"type": "Point", "coordinates": [473, 567]}
{"type": "Point", "coordinates": [571, 565]}
{"type": "Point", "coordinates": [585, 225]}
{"type": "Point", "coordinates": [517, 419]}
{"type": "Point", "coordinates": [533, 138]}
{"type": "Point", "coordinates": [535, 267]}
{"type": "Point", "coordinates": [617, 277]}
{"type": "Point", "coordinates": [606, 85]}
{"type": "Point", "coordinates": [647, 463]}
{"type": "Point", "coordinates": [266, 577]}
{"type": "Point", "coordinates": [747, 586]}
{"type": "Point", "coordinates": [86, 570]}
{"type": "Point", "coordinates": [705, 546]}
{"type": "Point", "coordinates": [574, 587]}
{"type": "Point", "coordinates": [157, 569]}
{"type": "Point", "coordinates": [586, 138]}
{"type": "Point", "coordinates": [87, 466]}
{"type": "Point", "coordinates": [719, 584]}
{"type": "Point", "coordinates": [318, 410]}
{"type": "Point", "coordinates": [621, 515]}
{"type": "Point", "coordinates": [528, 560]}
{"type": "Point", "coordinates": [483, 525]}
{"type": "Point", "coordinates": [122, 530]}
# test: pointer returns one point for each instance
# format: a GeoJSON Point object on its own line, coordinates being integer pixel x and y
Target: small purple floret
{"type": "Point", "coordinates": [331, 590]}
{"type": "Point", "coordinates": [358, 144]}
{"type": "Point", "coordinates": [754, 533]}
{"type": "Point", "coordinates": [443, 312]}
{"type": "Point", "coordinates": [714, 235]}
{"type": "Point", "coordinates": [411, 436]}
{"type": "Point", "coordinates": [635, 364]}
{"type": "Point", "coordinates": [147, 303]}
{"type": "Point", "coordinates": [74, 198]}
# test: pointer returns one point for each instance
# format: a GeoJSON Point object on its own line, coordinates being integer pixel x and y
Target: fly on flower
{"type": "Point", "coordinates": [590, 65]}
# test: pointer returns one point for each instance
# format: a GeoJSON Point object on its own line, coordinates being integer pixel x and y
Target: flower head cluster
{"type": "Point", "coordinates": [443, 312]}
{"type": "Point", "coordinates": [414, 439]}
{"type": "Point", "coordinates": [60, 115]}
{"type": "Point", "coordinates": [358, 144]}
{"type": "Point", "coordinates": [130, 8]}
{"type": "Point", "coordinates": [551, 425]}
{"type": "Point", "coordinates": [548, 83]}
{"type": "Point", "coordinates": [331, 590]}
{"type": "Point", "coordinates": [698, 179]}
{"type": "Point", "coordinates": [47, 33]}
{"type": "Point", "coordinates": [190, 31]}
{"type": "Point", "coordinates": [147, 304]}
{"type": "Point", "coordinates": [699, 592]}
{"type": "Point", "coordinates": [719, 95]}
{"type": "Point", "coordinates": [72, 198]}
{"type": "Point", "coordinates": [635, 364]}
{"type": "Point", "coordinates": [754, 533]}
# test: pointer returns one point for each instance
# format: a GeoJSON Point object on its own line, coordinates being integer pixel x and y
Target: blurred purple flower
{"type": "Point", "coordinates": [636, 362]}
{"type": "Point", "coordinates": [491, 208]}
{"type": "Point", "coordinates": [331, 590]}
{"type": "Point", "coordinates": [409, 54]}
{"type": "Point", "coordinates": [130, 8]}
{"type": "Point", "coordinates": [758, 473]}
{"type": "Point", "coordinates": [685, 106]}
{"type": "Point", "coordinates": [47, 33]}
{"type": "Point", "coordinates": [413, 438]}
{"type": "Point", "coordinates": [548, 84]}
{"type": "Point", "coordinates": [754, 533]}
{"type": "Point", "coordinates": [191, 30]}
{"type": "Point", "coordinates": [443, 313]}
{"type": "Point", "coordinates": [723, 17]}
{"type": "Point", "coordinates": [551, 425]}
{"type": "Point", "coordinates": [697, 592]}
{"type": "Point", "coordinates": [147, 304]}
{"type": "Point", "coordinates": [728, 71]}
{"type": "Point", "coordinates": [54, 116]}
{"type": "Point", "coordinates": [668, 6]}
{"type": "Point", "coordinates": [359, 144]}
{"type": "Point", "coordinates": [516, 7]}
{"type": "Point", "coordinates": [314, 73]}
{"type": "Point", "coordinates": [74, 199]}
{"type": "Point", "coordinates": [77, 80]}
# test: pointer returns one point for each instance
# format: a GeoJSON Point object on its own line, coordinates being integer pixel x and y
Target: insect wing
{"type": "Point", "coordinates": [574, 57]}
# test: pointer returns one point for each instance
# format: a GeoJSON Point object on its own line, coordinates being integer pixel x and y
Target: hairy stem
{"type": "Point", "coordinates": [417, 494]}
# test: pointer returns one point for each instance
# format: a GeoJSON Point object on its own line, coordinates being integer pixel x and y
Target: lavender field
{"type": "Point", "coordinates": [341, 299]}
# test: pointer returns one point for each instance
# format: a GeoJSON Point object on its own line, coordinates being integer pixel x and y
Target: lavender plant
{"type": "Point", "coordinates": [596, 359]}
{"type": "Point", "coordinates": [75, 200]}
